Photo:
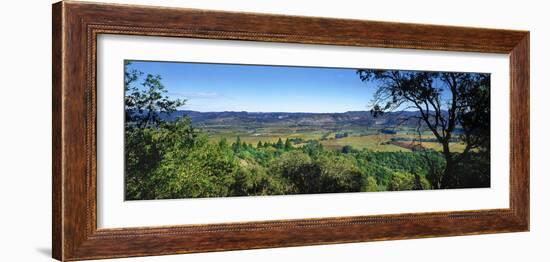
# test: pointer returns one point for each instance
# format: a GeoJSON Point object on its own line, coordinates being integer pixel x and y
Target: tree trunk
{"type": "Point", "coordinates": [448, 181]}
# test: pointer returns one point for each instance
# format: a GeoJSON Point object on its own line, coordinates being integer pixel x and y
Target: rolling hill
{"type": "Point", "coordinates": [269, 119]}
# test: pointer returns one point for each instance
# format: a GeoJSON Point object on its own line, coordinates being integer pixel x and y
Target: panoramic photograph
{"type": "Point", "coordinates": [200, 130]}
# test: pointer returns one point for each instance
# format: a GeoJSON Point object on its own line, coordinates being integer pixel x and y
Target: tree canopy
{"type": "Point", "coordinates": [173, 159]}
{"type": "Point", "coordinates": [145, 102]}
{"type": "Point", "coordinates": [448, 103]}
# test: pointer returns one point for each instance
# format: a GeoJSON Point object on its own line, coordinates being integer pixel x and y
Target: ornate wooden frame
{"type": "Point", "coordinates": [76, 26]}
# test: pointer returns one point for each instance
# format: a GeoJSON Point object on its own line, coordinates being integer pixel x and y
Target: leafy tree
{"type": "Point", "coordinates": [171, 159]}
{"type": "Point", "coordinates": [467, 106]}
{"type": "Point", "coordinates": [223, 143]}
{"type": "Point", "coordinates": [302, 174]}
{"type": "Point", "coordinates": [370, 184]}
{"type": "Point", "coordinates": [401, 181]}
{"type": "Point", "coordinates": [143, 154]}
{"type": "Point", "coordinates": [347, 149]}
{"type": "Point", "coordinates": [253, 180]}
{"type": "Point", "coordinates": [339, 173]}
{"type": "Point", "coordinates": [194, 168]}
{"type": "Point", "coordinates": [237, 145]}
{"type": "Point", "coordinates": [288, 145]}
{"type": "Point", "coordinates": [145, 104]}
{"type": "Point", "coordinates": [313, 148]}
{"type": "Point", "coordinates": [279, 144]}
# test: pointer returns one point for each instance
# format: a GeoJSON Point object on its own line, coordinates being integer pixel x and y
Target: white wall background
{"type": "Point", "coordinates": [25, 130]}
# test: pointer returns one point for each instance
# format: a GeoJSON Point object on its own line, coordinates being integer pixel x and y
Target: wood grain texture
{"type": "Point", "coordinates": [519, 130]}
{"type": "Point", "coordinates": [57, 202]}
{"type": "Point", "coordinates": [76, 26]}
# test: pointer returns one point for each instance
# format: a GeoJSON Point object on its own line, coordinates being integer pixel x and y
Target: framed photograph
{"type": "Point", "coordinates": [182, 130]}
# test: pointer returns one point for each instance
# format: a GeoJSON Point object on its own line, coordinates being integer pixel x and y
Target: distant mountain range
{"type": "Point", "coordinates": [351, 118]}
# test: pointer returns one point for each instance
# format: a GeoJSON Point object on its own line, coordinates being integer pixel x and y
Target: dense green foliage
{"type": "Point", "coordinates": [446, 101]}
{"type": "Point", "coordinates": [174, 160]}
{"type": "Point", "coordinates": [145, 102]}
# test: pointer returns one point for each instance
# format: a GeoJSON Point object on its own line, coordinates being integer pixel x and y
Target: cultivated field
{"type": "Point", "coordinates": [357, 138]}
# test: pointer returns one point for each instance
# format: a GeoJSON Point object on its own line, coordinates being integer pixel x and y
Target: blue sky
{"type": "Point", "coordinates": [256, 88]}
